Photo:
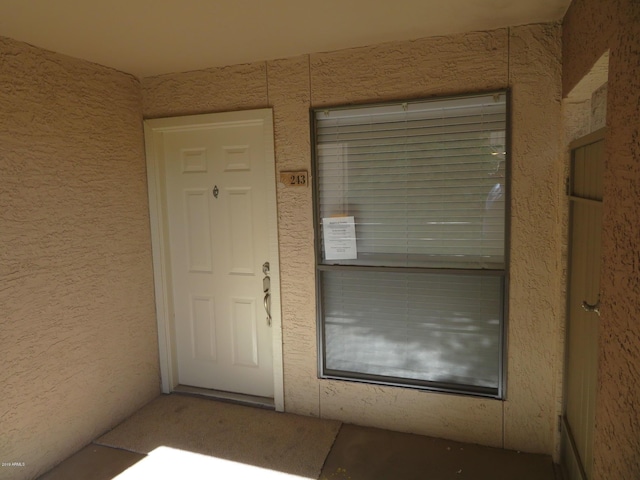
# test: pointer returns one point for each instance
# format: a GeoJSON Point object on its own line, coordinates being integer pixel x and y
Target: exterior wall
{"type": "Point", "coordinates": [527, 59]}
{"type": "Point", "coordinates": [537, 303]}
{"type": "Point", "coordinates": [590, 28]}
{"type": "Point", "coordinates": [79, 342]}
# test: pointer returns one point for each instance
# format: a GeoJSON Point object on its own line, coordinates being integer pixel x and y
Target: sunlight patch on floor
{"type": "Point", "coordinates": [171, 463]}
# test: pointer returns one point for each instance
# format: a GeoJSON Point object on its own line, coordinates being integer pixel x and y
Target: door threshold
{"type": "Point", "coordinates": [238, 398]}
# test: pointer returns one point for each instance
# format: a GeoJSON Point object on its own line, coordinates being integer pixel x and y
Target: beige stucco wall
{"type": "Point", "coordinates": [590, 28]}
{"type": "Point", "coordinates": [527, 59]}
{"type": "Point", "coordinates": [536, 300]}
{"type": "Point", "coordinates": [78, 343]}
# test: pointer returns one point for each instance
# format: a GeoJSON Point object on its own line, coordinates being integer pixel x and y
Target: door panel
{"type": "Point", "coordinates": [582, 325]}
{"type": "Point", "coordinates": [198, 230]}
{"type": "Point", "coordinates": [203, 329]}
{"type": "Point", "coordinates": [218, 240]}
{"type": "Point", "coordinates": [240, 220]}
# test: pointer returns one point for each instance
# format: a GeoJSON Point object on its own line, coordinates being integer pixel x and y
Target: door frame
{"type": "Point", "coordinates": [154, 130]}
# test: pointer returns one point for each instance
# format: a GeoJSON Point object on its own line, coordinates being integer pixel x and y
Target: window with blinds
{"type": "Point", "coordinates": [410, 222]}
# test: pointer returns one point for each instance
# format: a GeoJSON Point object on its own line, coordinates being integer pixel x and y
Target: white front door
{"type": "Point", "coordinates": [217, 179]}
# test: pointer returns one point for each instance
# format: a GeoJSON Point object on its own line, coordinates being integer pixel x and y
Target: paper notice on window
{"type": "Point", "coordinates": [339, 235]}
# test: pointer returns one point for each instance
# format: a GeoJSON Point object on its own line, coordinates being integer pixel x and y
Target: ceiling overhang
{"type": "Point", "coordinates": [153, 37]}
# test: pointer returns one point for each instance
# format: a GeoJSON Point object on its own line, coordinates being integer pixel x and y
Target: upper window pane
{"type": "Point", "coordinates": [415, 184]}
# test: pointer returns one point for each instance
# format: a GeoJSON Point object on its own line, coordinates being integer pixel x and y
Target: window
{"type": "Point", "coordinates": [410, 238]}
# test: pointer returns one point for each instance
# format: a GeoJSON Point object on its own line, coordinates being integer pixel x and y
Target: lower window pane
{"type": "Point", "coordinates": [418, 327]}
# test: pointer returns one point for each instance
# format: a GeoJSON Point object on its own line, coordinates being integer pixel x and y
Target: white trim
{"type": "Point", "coordinates": [154, 130]}
{"type": "Point", "coordinates": [159, 242]}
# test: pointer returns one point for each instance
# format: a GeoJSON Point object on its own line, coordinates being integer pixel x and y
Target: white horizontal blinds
{"type": "Point", "coordinates": [424, 181]}
{"type": "Point", "coordinates": [420, 326]}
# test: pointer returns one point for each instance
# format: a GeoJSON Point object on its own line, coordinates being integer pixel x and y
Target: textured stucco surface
{"type": "Point", "coordinates": [590, 28]}
{"type": "Point", "coordinates": [458, 417]}
{"type": "Point", "coordinates": [78, 343]}
{"type": "Point", "coordinates": [598, 104]}
{"type": "Point", "coordinates": [434, 66]}
{"type": "Point", "coordinates": [237, 87]}
{"type": "Point", "coordinates": [289, 95]}
{"type": "Point", "coordinates": [536, 307]}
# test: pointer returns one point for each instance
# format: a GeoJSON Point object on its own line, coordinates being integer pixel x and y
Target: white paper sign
{"type": "Point", "coordinates": [339, 236]}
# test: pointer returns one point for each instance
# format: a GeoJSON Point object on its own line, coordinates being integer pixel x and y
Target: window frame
{"type": "Point", "coordinates": [321, 266]}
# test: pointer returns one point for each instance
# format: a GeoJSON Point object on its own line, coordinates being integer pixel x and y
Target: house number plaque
{"type": "Point", "coordinates": [295, 179]}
